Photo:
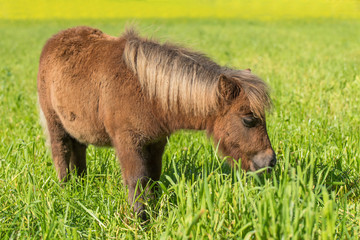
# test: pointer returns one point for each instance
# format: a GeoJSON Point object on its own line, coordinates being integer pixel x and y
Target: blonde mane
{"type": "Point", "coordinates": [184, 80]}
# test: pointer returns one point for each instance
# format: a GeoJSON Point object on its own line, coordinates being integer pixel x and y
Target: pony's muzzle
{"type": "Point", "coordinates": [264, 158]}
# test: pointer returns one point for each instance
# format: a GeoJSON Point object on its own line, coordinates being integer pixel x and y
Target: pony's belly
{"type": "Point", "coordinates": [76, 104]}
{"type": "Point", "coordinates": [88, 135]}
{"type": "Point", "coordinates": [83, 126]}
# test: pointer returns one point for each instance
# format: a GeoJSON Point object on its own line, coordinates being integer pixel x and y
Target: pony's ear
{"type": "Point", "coordinates": [248, 70]}
{"type": "Point", "coordinates": [228, 88]}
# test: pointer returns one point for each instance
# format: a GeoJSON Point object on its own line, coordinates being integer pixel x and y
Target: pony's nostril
{"type": "Point", "coordinates": [273, 162]}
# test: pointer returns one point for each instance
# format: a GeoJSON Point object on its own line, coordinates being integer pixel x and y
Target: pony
{"type": "Point", "coordinates": [131, 93]}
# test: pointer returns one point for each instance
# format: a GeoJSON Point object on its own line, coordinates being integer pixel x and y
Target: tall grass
{"type": "Point", "coordinates": [313, 70]}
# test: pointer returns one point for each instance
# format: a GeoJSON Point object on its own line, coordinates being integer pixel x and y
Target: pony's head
{"type": "Point", "coordinates": [190, 83]}
{"type": "Point", "coordinates": [240, 127]}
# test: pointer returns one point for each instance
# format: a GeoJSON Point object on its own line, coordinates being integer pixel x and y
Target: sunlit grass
{"type": "Point", "coordinates": [313, 70]}
{"type": "Point", "coordinates": [244, 9]}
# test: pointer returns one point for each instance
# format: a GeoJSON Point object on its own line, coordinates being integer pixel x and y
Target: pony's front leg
{"type": "Point", "coordinates": [155, 151]}
{"type": "Point", "coordinates": [136, 174]}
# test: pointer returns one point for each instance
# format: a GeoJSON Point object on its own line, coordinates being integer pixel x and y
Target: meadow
{"type": "Point", "coordinates": [313, 69]}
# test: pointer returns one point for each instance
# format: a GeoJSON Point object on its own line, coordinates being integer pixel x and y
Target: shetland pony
{"type": "Point", "coordinates": [130, 92]}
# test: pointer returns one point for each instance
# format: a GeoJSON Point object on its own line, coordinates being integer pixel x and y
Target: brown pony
{"type": "Point", "coordinates": [131, 93]}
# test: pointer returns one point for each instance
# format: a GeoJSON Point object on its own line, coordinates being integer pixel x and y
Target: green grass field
{"type": "Point", "coordinates": [313, 68]}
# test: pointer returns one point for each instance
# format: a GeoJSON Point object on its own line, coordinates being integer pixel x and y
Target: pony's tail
{"type": "Point", "coordinates": [44, 126]}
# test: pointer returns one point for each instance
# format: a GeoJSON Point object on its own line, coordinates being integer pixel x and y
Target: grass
{"type": "Point", "coordinates": [313, 70]}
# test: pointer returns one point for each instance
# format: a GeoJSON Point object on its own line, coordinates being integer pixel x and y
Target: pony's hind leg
{"type": "Point", "coordinates": [68, 154]}
{"type": "Point", "coordinates": [78, 157]}
{"type": "Point", "coordinates": [61, 148]}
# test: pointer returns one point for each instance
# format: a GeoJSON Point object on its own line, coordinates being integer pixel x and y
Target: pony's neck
{"type": "Point", "coordinates": [180, 121]}
{"type": "Point", "coordinates": [172, 121]}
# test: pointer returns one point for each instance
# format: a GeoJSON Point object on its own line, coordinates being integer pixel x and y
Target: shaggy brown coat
{"type": "Point", "coordinates": [131, 93]}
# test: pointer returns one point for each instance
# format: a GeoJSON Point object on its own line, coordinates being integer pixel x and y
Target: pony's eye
{"type": "Point", "coordinates": [249, 121]}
